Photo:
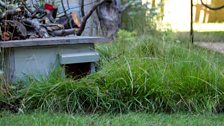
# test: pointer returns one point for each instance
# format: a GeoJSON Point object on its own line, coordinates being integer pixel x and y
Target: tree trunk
{"type": "Point", "coordinates": [109, 14]}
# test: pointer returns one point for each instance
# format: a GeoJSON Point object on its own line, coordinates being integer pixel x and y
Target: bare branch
{"type": "Point", "coordinates": [11, 12]}
{"type": "Point", "coordinates": [64, 32]}
{"type": "Point", "coordinates": [42, 32]}
{"type": "Point", "coordinates": [124, 8]}
{"type": "Point", "coordinates": [83, 25]}
{"type": "Point", "coordinates": [82, 8]}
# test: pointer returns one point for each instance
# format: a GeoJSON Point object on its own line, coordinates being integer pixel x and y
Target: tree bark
{"type": "Point", "coordinates": [109, 14]}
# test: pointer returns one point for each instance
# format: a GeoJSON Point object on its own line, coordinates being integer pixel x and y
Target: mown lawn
{"type": "Point", "coordinates": [131, 119]}
{"type": "Point", "coordinates": [208, 32]}
{"type": "Point", "coordinates": [203, 36]}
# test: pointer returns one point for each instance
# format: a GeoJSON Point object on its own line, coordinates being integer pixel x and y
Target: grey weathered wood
{"type": "Point", "coordinates": [38, 57]}
{"type": "Point", "coordinates": [8, 63]}
{"type": "Point", "coordinates": [53, 41]}
{"type": "Point", "coordinates": [109, 14]}
{"type": "Point", "coordinates": [84, 57]}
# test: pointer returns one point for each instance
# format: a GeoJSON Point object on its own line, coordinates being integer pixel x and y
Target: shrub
{"type": "Point", "coordinates": [140, 17]}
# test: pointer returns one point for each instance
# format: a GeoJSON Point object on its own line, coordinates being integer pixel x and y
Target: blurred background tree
{"type": "Point", "coordinates": [142, 16]}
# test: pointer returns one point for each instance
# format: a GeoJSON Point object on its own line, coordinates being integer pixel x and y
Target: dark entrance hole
{"type": "Point", "coordinates": [77, 71]}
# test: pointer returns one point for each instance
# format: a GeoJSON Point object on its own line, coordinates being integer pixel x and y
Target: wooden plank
{"type": "Point", "coordinates": [53, 41]}
{"type": "Point", "coordinates": [84, 57]}
{"type": "Point", "coordinates": [8, 64]}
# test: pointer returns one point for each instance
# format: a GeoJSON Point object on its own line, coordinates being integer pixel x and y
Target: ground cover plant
{"type": "Point", "coordinates": [150, 73]}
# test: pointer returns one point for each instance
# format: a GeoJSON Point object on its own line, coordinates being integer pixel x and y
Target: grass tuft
{"type": "Point", "coordinates": [150, 73]}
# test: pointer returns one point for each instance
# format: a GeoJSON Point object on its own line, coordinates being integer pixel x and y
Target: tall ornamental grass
{"type": "Point", "coordinates": [151, 73]}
